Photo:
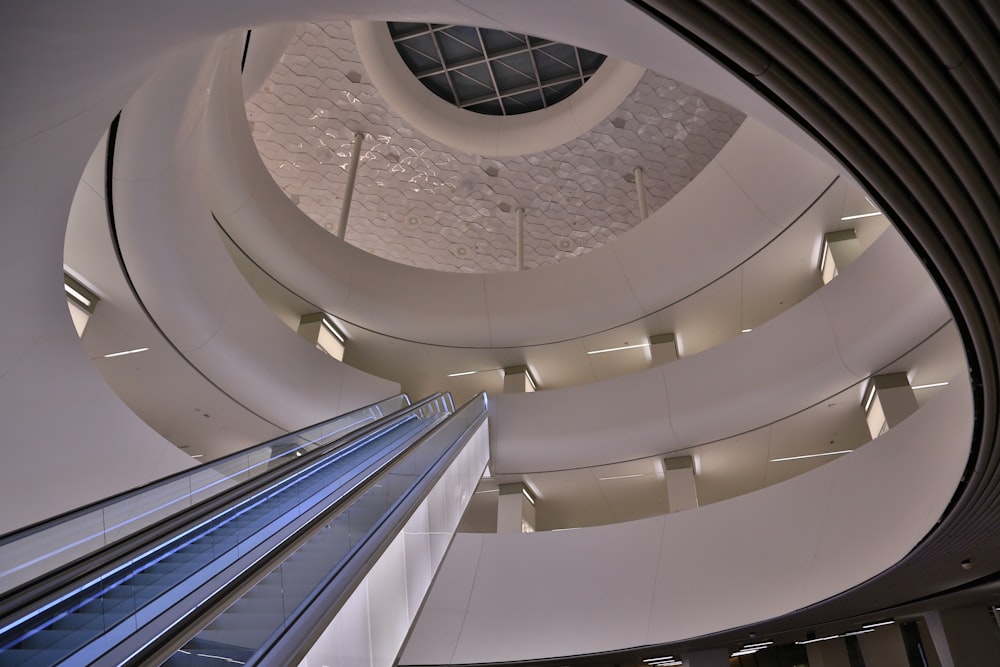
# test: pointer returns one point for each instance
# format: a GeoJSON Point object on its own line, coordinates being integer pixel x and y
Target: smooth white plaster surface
{"type": "Point", "coordinates": [677, 576]}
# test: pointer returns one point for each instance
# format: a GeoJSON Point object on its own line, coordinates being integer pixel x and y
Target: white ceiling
{"type": "Point", "coordinates": [421, 203]}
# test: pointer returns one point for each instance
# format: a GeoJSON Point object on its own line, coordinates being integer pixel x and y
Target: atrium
{"type": "Point", "coordinates": [727, 277]}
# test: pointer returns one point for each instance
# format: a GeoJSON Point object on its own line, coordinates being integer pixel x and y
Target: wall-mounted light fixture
{"type": "Point", "coordinates": [861, 215]}
{"type": "Point", "coordinates": [518, 379]}
{"type": "Point", "coordinates": [620, 347]}
{"type": "Point", "coordinates": [82, 302]}
{"type": "Point", "coordinates": [888, 399]}
{"type": "Point", "coordinates": [320, 330]}
{"type": "Point", "coordinates": [839, 249]}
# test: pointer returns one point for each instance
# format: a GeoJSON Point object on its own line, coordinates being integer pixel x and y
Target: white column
{"type": "Point", "coordinates": [640, 193]}
{"type": "Point", "coordinates": [832, 653]}
{"type": "Point", "coordinates": [682, 494]}
{"type": "Point", "coordinates": [318, 330]}
{"type": "Point", "coordinates": [519, 240]}
{"type": "Point", "coordinates": [352, 175]}
{"type": "Point", "coordinates": [662, 348]}
{"type": "Point", "coordinates": [889, 399]}
{"type": "Point", "coordinates": [515, 509]}
{"type": "Point", "coordinates": [884, 646]}
{"type": "Point", "coordinates": [935, 628]}
{"type": "Point", "coordinates": [517, 380]}
{"type": "Point", "coordinates": [966, 637]}
{"type": "Point", "coordinates": [840, 248]}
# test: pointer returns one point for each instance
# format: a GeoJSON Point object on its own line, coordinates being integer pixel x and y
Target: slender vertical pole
{"type": "Point", "coordinates": [352, 175]}
{"type": "Point", "coordinates": [640, 192]}
{"type": "Point", "coordinates": [520, 238]}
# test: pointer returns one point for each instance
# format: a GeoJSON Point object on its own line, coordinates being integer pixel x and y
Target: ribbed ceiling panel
{"type": "Point", "coordinates": [907, 96]}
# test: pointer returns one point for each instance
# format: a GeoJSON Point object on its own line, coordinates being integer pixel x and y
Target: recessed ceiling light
{"type": "Point", "coordinates": [122, 354]}
{"type": "Point", "coordinates": [747, 330]}
{"type": "Point", "coordinates": [877, 625]}
{"type": "Point", "coordinates": [455, 375]}
{"type": "Point", "coordinates": [602, 479]}
{"type": "Point", "coordinates": [78, 293]}
{"type": "Point", "coordinates": [818, 639]}
{"type": "Point", "coordinates": [811, 456]}
{"type": "Point", "coordinates": [615, 349]}
{"type": "Point", "coordinates": [861, 215]}
{"type": "Point", "coordinates": [928, 386]}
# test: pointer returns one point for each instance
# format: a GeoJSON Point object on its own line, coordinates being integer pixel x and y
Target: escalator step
{"type": "Point", "coordinates": [29, 658]}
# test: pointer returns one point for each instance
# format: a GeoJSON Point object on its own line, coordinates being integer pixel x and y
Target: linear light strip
{"type": "Point", "coordinates": [846, 634]}
{"type": "Point", "coordinates": [870, 396]}
{"type": "Point", "coordinates": [615, 349]}
{"type": "Point", "coordinates": [928, 386]}
{"type": "Point", "coordinates": [861, 215]}
{"type": "Point", "coordinates": [121, 354]}
{"type": "Point", "coordinates": [455, 375]}
{"type": "Point", "coordinates": [602, 479]}
{"type": "Point", "coordinates": [811, 456]}
{"type": "Point", "coordinates": [332, 329]}
{"type": "Point", "coordinates": [877, 625]}
{"type": "Point", "coordinates": [77, 296]}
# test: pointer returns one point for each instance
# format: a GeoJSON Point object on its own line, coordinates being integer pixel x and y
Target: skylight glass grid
{"type": "Point", "coordinates": [493, 72]}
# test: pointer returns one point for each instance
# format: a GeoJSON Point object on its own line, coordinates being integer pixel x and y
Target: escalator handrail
{"type": "Point", "coordinates": [190, 613]}
{"type": "Point", "coordinates": [39, 591]}
{"type": "Point", "coordinates": [293, 640]}
{"type": "Point", "coordinates": [159, 648]}
{"type": "Point", "coordinates": [25, 531]}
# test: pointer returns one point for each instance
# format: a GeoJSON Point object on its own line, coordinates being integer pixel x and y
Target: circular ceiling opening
{"type": "Point", "coordinates": [492, 72]}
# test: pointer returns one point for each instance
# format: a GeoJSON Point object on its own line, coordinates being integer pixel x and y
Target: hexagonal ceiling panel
{"type": "Point", "coordinates": [421, 203]}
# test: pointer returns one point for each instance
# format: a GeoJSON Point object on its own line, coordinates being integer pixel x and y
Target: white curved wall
{"type": "Point", "coordinates": [692, 573]}
{"type": "Point", "coordinates": [876, 309]}
{"type": "Point", "coordinates": [208, 311]}
{"type": "Point", "coordinates": [66, 437]}
{"type": "Point", "coordinates": [63, 430]}
{"type": "Point", "coordinates": [724, 215]}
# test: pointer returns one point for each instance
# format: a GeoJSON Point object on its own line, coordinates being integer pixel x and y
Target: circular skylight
{"type": "Point", "coordinates": [492, 72]}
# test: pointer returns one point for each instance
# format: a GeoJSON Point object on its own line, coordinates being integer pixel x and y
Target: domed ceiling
{"type": "Point", "coordinates": [421, 203]}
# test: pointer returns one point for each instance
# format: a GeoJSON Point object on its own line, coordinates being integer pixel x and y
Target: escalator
{"type": "Point", "coordinates": [225, 562]}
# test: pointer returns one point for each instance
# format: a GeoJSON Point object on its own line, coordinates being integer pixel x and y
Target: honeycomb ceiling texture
{"type": "Point", "coordinates": [421, 203]}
